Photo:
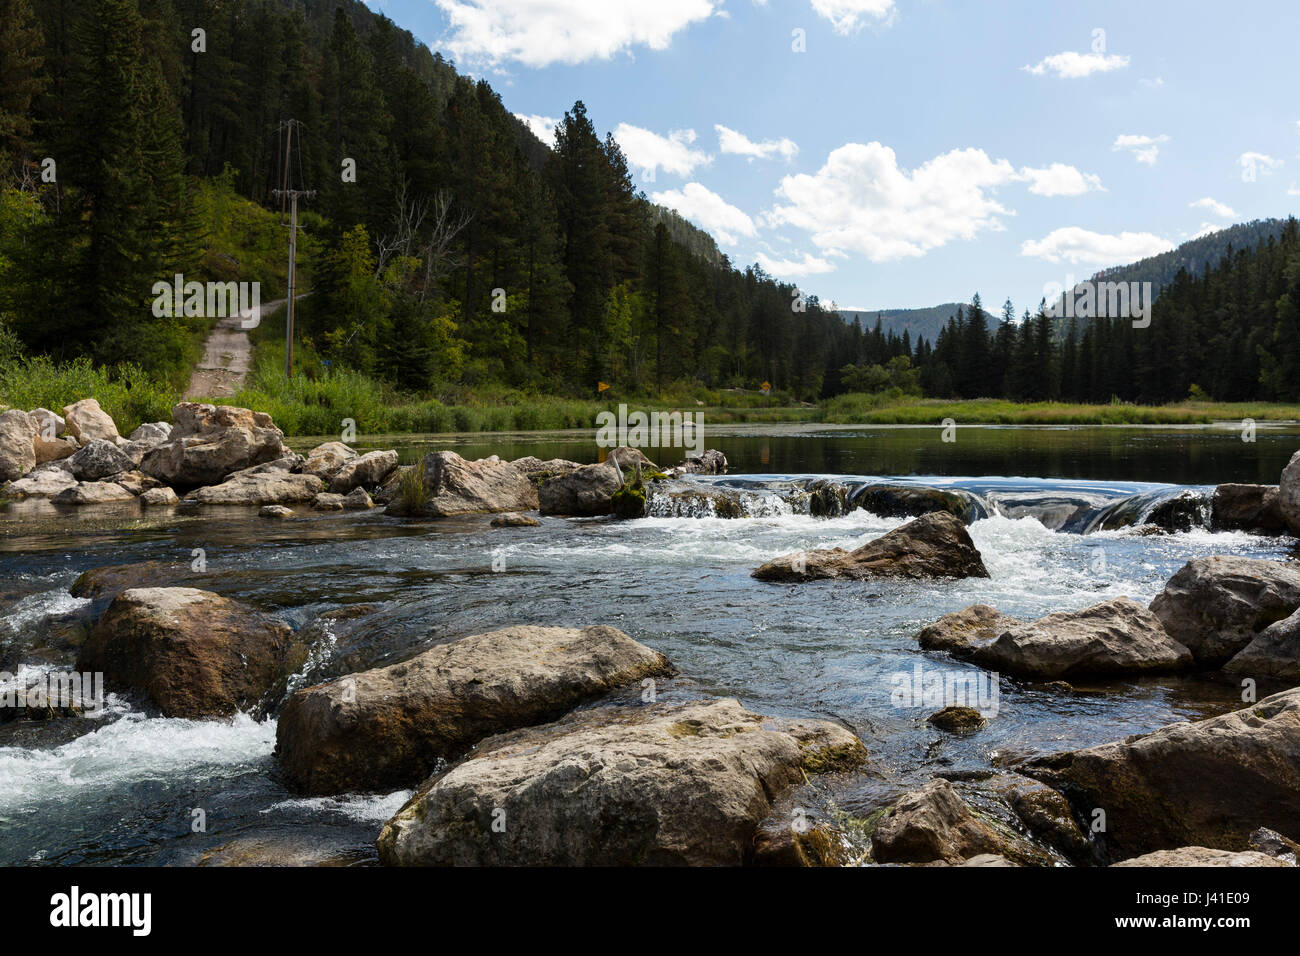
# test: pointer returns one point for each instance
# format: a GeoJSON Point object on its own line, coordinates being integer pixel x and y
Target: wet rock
{"type": "Point", "coordinates": [962, 631]}
{"type": "Point", "coordinates": [1274, 652]}
{"type": "Point", "coordinates": [1118, 636]}
{"type": "Point", "coordinates": [159, 497]}
{"type": "Point", "coordinates": [275, 511]}
{"type": "Point", "coordinates": [209, 443]}
{"type": "Point", "coordinates": [640, 785]}
{"type": "Point", "coordinates": [17, 444]}
{"type": "Point", "coordinates": [365, 471]}
{"type": "Point", "coordinates": [455, 486]}
{"type": "Point", "coordinates": [1045, 814]}
{"type": "Point", "coordinates": [586, 492]}
{"type": "Point", "coordinates": [97, 460]}
{"type": "Point", "coordinates": [1253, 508]}
{"type": "Point", "coordinates": [260, 488]}
{"type": "Point", "coordinates": [827, 499]}
{"type": "Point", "coordinates": [1288, 494]}
{"type": "Point", "coordinates": [112, 580]}
{"type": "Point", "coordinates": [324, 461]}
{"type": "Point", "coordinates": [85, 421]}
{"type": "Point", "coordinates": [41, 482]}
{"type": "Point", "coordinates": [386, 728]}
{"type": "Point", "coordinates": [936, 545]}
{"type": "Point", "coordinates": [696, 502]}
{"type": "Point", "coordinates": [357, 500]}
{"type": "Point", "coordinates": [1182, 512]}
{"type": "Point", "coordinates": [710, 462]}
{"type": "Point", "coordinates": [1202, 856]}
{"type": "Point", "coordinates": [957, 720]}
{"type": "Point", "coordinates": [193, 653]}
{"type": "Point", "coordinates": [931, 824]}
{"type": "Point", "coordinates": [92, 493]}
{"type": "Point", "coordinates": [537, 471]}
{"type": "Point", "coordinates": [512, 519]}
{"type": "Point", "coordinates": [1215, 606]}
{"type": "Point", "coordinates": [1209, 782]}
{"type": "Point", "coordinates": [1271, 843]}
{"type": "Point", "coordinates": [912, 501]}
{"type": "Point", "coordinates": [797, 836]}
{"type": "Point", "coordinates": [327, 502]}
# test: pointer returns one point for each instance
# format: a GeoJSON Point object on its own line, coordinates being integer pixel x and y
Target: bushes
{"type": "Point", "coordinates": [125, 391]}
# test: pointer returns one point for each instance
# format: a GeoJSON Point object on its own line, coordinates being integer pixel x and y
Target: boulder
{"type": "Point", "coordinates": [357, 500]}
{"type": "Point", "coordinates": [456, 486]}
{"type": "Point", "coordinates": [98, 460]}
{"type": "Point", "coordinates": [962, 631]}
{"type": "Point", "coordinates": [512, 519]}
{"type": "Point", "coordinates": [85, 421]}
{"type": "Point", "coordinates": [137, 482]}
{"type": "Point", "coordinates": [386, 492]}
{"type": "Point", "coordinates": [1202, 856]}
{"type": "Point", "coordinates": [1207, 783]}
{"type": "Point", "coordinates": [1215, 606]}
{"type": "Point", "coordinates": [364, 471]}
{"type": "Point", "coordinates": [93, 493]}
{"type": "Point", "coordinates": [585, 492]}
{"type": "Point", "coordinates": [50, 443]}
{"type": "Point", "coordinates": [209, 443]}
{"type": "Point", "coordinates": [1271, 843]}
{"type": "Point", "coordinates": [652, 785]}
{"type": "Point", "coordinates": [386, 728]}
{"type": "Point", "coordinates": [931, 824]}
{"type": "Point", "coordinates": [275, 511]}
{"type": "Point", "coordinates": [1253, 508]}
{"type": "Point", "coordinates": [17, 444]}
{"type": "Point", "coordinates": [537, 471]}
{"type": "Point", "coordinates": [159, 497]}
{"type": "Point", "coordinates": [957, 720]}
{"type": "Point", "coordinates": [1118, 636]}
{"type": "Point", "coordinates": [327, 502]}
{"type": "Point", "coordinates": [324, 461]}
{"type": "Point", "coordinates": [42, 482]}
{"type": "Point", "coordinates": [628, 458]}
{"type": "Point", "coordinates": [113, 579]}
{"type": "Point", "coordinates": [913, 501]}
{"type": "Point", "coordinates": [1288, 494]}
{"type": "Point", "coordinates": [1274, 652]}
{"type": "Point", "coordinates": [710, 462]}
{"type": "Point", "coordinates": [1045, 814]}
{"type": "Point", "coordinates": [260, 488]}
{"type": "Point", "coordinates": [152, 431]}
{"type": "Point", "coordinates": [934, 545]}
{"type": "Point", "coordinates": [193, 653]}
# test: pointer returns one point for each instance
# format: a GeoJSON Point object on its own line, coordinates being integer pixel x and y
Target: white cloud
{"type": "Point", "coordinates": [1259, 162]}
{"type": "Point", "coordinates": [1079, 246]}
{"type": "Point", "coordinates": [1293, 190]}
{"type": "Point", "coordinates": [709, 211]}
{"type": "Point", "coordinates": [808, 265]}
{"type": "Point", "coordinates": [861, 201]}
{"type": "Point", "coordinates": [1145, 149]}
{"type": "Point", "coordinates": [1206, 229]}
{"type": "Point", "coordinates": [1059, 179]}
{"type": "Point", "coordinates": [850, 16]}
{"type": "Point", "coordinates": [543, 127]}
{"type": "Point", "coordinates": [1219, 209]}
{"type": "Point", "coordinates": [537, 33]}
{"type": "Point", "coordinates": [647, 152]}
{"type": "Point", "coordinates": [730, 141]}
{"type": "Point", "coordinates": [1072, 66]}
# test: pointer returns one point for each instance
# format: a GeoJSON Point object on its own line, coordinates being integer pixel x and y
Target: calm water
{"type": "Point", "coordinates": [125, 791]}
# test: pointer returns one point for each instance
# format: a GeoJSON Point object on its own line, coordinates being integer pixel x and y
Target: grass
{"type": "Point", "coordinates": [125, 392]}
{"type": "Point", "coordinates": [858, 409]}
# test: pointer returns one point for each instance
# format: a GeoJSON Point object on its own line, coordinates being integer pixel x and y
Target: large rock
{"type": "Point", "coordinates": [386, 728]}
{"type": "Point", "coordinates": [17, 444]}
{"type": "Point", "coordinates": [912, 501]}
{"type": "Point", "coordinates": [260, 487]}
{"type": "Point", "coordinates": [364, 471]}
{"type": "Point", "coordinates": [934, 545]}
{"type": "Point", "coordinates": [932, 824]}
{"type": "Point", "coordinates": [93, 493]}
{"type": "Point", "coordinates": [324, 461]}
{"type": "Point", "coordinates": [1215, 606]}
{"type": "Point", "coordinates": [1118, 636]}
{"type": "Point", "coordinates": [193, 653]}
{"type": "Point", "coordinates": [42, 482]}
{"type": "Point", "coordinates": [50, 443]}
{"type": "Point", "coordinates": [208, 443]}
{"type": "Point", "coordinates": [537, 471]}
{"type": "Point", "coordinates": [585, 492]}
{"type": "Point", "coordinates": [1273, 653]}
{"type": "Point", "coordinates": [709, 462]}
{"type": "Point", "coordinates": [1254, 508]}
{"type": "Point", "coordinates": [86, 422]}
{"type": "Point", "coordinates": [962, 631]}
{"type": "Point", "coordinates": [113, 579]}
{"type": "Point", "coordinates": [455, 486]}
{"type": "Point", "coordinates": [98, 460]}
{"type": "Point", "coordinates": [152, 431]}
{"type": "Point", "coordinates": [1204, 783]}
{"type": "Point", "coordinates": [1288, 494]}
{"type": "Point", "coordinates": [637, 785]}
{"type": "Point", "coordinates": [1202, 856]}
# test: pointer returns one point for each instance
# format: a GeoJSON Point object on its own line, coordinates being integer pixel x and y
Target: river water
{"type": "Point", "coordinates": [125, 787]}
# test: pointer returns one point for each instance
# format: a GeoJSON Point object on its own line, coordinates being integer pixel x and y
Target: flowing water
{"type": "Point", "coordinates": [124, 787]}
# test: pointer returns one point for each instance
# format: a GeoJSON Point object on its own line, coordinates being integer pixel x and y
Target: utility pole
{"type": "Point", "coordinates": [292, 195]}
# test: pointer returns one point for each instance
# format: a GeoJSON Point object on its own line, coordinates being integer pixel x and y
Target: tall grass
{"type": "Point", "coordinates": [125, 391]}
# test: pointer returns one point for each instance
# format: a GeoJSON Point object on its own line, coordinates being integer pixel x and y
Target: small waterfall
{"type": "Point", "coordinates": [1169, 509]}
{"type": "Point", "coordinates": [697, 502]}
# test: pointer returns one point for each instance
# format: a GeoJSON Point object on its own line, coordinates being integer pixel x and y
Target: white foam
{"type": "Point", "coordinates": [362, 807]}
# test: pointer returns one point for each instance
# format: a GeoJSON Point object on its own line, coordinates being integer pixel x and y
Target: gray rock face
{"type": "Point", "coordinates": [1118, 636]}
{"type": "Point", "coordinates": [1203, 783]}
{"type": "Point", "coordinates": [1288, 494]}
{"type": "Point", "coordinates": [457, 487]}
{"type": "Point", "coordinates": [1202, 856]}
{"type": "Point", "coordinates": [638, 785]}
{"type": "Point", "coordinates": [931, 824]}
{"type": "Point", "coordinates": [1215, 606]}
{"type": "Point", "coordinates": [386, 728]}
{"type": "Point", "coordinates": [364, 471]}
{"type": "Point", "coordinates": [1253, 508]}
{"type": "Point", "coordinates": [97, 460]}
{"type": "Point", "coordinates": [586, 492]}
{"type": "Point", "coordinates": [17, 444]}
{"type": "Point", "coordinates": [208, 443]}
{"type": "Point", "coordinates": [932, 546]}
{"type": "Point", "coordinates": [1273, 653]}
{"type": "Point", "coordinates": [86, 421]}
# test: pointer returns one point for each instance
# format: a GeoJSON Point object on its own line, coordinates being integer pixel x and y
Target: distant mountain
{"type": "Point", "coordinates": [920, 323]}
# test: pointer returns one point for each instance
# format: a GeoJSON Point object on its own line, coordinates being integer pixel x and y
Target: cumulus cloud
{"type": "Point", "coordinates": [1221, 210]}
{"type": "Point", "coordinates": [1072, 66]}
{"type": "Point", "coordinates": [862, 201]}
{"type": "Point", "coordinates": [1059, 179]}
{"type": "Point", "coordinates": [1079, 246]}
{"type": "Point", "coordinates": [537, 33]}
{"type": "Point", "coordinates": [730, 141]}
{"type": "Point", "coordinates": [1259, 162]}
{"type": "Point", "coordinates": [647, 151]}
{"type": "Point", "coordinates": [543, 127]}
{"type": "Point", "coordinates": [709, 211]}
{"type": "Point", "coordinates": [807, 265]}
{"type": "Point", "coordinates": [850, 16]}
{"type": "Point", "coordinates": [1145, 149]}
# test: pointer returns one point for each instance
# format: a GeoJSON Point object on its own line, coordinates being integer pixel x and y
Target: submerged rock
{"type": "Point", "coordinates": [1215, 606]}
{"type": "Point", "coordinates": [639, 785]}
{"type": "Point", "coordinates": [957, 720]}
{"type": "Point", "coordinates": [193, 653]}
{"type": "Point", "coordinates": [912, 501]}
{"type": "Point", "coordinates": [1253, 508]}
{"type": "Point", "coordinates": [386, 728]}
{"type": "Point", "coordinates": [512, 519]}
{"type": "Point", "coordinates": [935, 545]}
{"type": "Point", "coordinates": [275, 512]}
{"type": "Point", "coordinates": [1209, 782]}
{"type": "Point", "coordinates": [1202, 856]}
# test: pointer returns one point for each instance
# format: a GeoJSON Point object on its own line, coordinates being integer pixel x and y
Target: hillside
{"type": "Point", "coordinates": [923, 323]}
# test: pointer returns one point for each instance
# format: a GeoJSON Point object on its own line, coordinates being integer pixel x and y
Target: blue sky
{"type": "Point", "coordinates": [914, 151]}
